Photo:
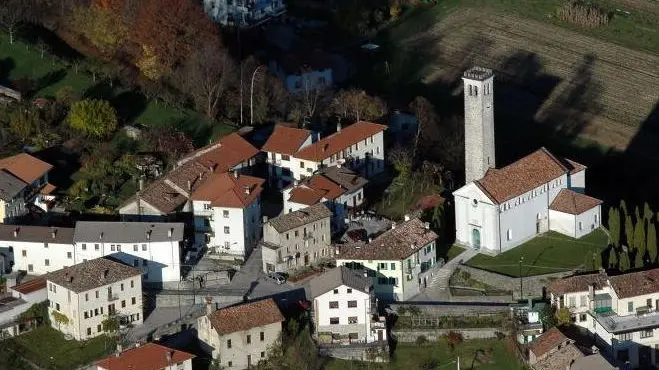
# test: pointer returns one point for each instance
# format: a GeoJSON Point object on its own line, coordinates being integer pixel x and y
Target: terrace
{"type": "Point", "coordinates": [613, 323]}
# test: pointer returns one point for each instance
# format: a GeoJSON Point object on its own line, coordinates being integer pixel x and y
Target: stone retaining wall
{"type": "Point", "coordinates": [410, 335]}
{"type": "Point", "coordinates": [533, 285]}
{"type": "Point", "coordinates": [379, 353]}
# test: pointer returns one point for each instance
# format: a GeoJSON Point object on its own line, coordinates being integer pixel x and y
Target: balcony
{"type": "Point", "coordinates": [113, 297]}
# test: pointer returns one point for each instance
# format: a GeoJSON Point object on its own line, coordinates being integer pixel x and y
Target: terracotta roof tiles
{"type": "Point", "coordinates": [229, 190]}
{"type": "Point", "coordinates": [548, 340]}
{"type": "Point", "coordinates": [568, 201]}
{"type": "Point", "coordinates": [285, 140]}
{"type": "Point", "coordinates": [635, 283]}
{"type": "Point", "coordinates": [223, 154]}
{"type": "Point", "coordinates": [332, 144]}
{"type": "Point", "coordinates": [245, 316]}
{"type": "Point", "coordinates": [300, 217]}
{"type": "Point", "coordinates": [150, 356]}
{"type": "Point", "coordinates": [25, 167]}
{"type": "Point", "coordinates": [92, 274]}
{"type": "Point", "coordinates": [30, 286]}
{"type": "Point", "coordinates": [577, 283]}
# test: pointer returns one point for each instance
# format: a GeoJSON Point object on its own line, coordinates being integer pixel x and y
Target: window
{"type": "Point", "coordinates": [145, 262]}
{"type": "Point", "coordinates": [334, 304]}
{"type": "Point", "coordinates": [475, 90]}
{"type": "Point", "coordinates": [582, 317]}
{"type": "Point", "coordinates": [225, 214]}
{"type": "Point", "coordinates": [262, 336]}
{"type": "Point", "coordinates": [262, 354]}
{"type": "Point", "coordinates": [583, 301]}
{"type": "Point", "coordinates": [133, 300]}
{"type": "Point", "coordinates": [573, 302]}
{"type": "Point", "coordinates": [336, 291]}
{"type": "Point", "coordinates": [352, 304]}
{"type": "Point", "coordinates": [112, 248]}
{"type": "Point", "coordinates": [383, 266]}
{"type": "Point", "coordinates": [46, 262]}
{"type": "Point", "coordinates": [24, 253]}
{"type": "Point", "coordinates": [84, 248]}
{"type": "Point", "coordinates": [352, 319]}
{"type": "Point", "coordinates": [30, 268]}
{"type": "Point", "coordinates": [301, 164]}
{"type": "Point", "coordinates": [230, 364]}
{"type": "Point", "coordinates": [647, 333]}
{"type": "Point", "coordinates": [98, 328]}
{"type": "Point", "coordinates": [123, 303]}
{"type": "Point", "coordinates": [249, 339]}
{"type": "Point", "coordinates": [86, 297]}
{"type": "Point", "coordinates": [297, 233]}
{"type": "Point", "coordinates": [96, 294]}
{"type": "Point", "coordinates": [95, 311]}
{"type": "Point", "coordinates": [382, 280]}
{"type": "Point", "coordinates": [285, 157]}
{"type": "Point", "coordinates": [89, 331]}
{"type": "Point", "coordinates": [625, 336]}
{"type": "Point", "coordinates": [393, 267]}
{"type": "Point", "coordinates": [334, 321]}
{"type": "Point", "coordinates": [45, 245]}
{"type": "Point", "coordinates": [229, 343]}
{"type": "Point", "coordinates": [580, 226]}
{"type": "Point", "coordinates": [86, 315]}
{"type": "Point", "coordinates": [143, 247]}
{"type": "Point", "coordinates": [136, 263]}
{"type": "Point", "coordinates": [630, 307]}
{"type": "Point", "coordinates": [288, 237]}
{"type": "Point", "coordinates": [57, 306]}
{"type": "Point", "coordinates": [135, 247]}
{"type": "Point", "coordinates": [509, 234]}
{"type": "Point", "coordinates": [349, 289]}
{"type": "Point", "coordinates": [97, 247]}
{"type": "Point", "coordinates": [227, 230]}
{"type": "Point", "coordinates": [207, 206]}
{"type": "Point", "coordinates": [68, 255]}
{"type": "Point", "coordinates": [132, 284]}
{"type": "Point", "coordinates": [648, 302]}
{"type": "Point", "coordinates": [595, 219]}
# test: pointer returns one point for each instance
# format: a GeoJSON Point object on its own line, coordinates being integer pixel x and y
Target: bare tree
{"type": "Point", "coordinates": [427, 122]}
{"type": "Point", "coordinates": [206, 77]}
{"type": "Point", "coordinates": [42, 47]}
{"type": "Point", "coordinates": [311, 96]}
{"type": "Point", "coordinates": [12, 16]}
{"type": "Point", "coordinates": [356, 105]}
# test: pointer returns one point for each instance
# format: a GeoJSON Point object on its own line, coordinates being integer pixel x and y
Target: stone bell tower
{"type": "Point", "coordinates": [479, 122]}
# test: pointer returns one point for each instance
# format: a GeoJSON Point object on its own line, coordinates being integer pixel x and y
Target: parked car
{"type": "Point", "coordinates": [275, 278]}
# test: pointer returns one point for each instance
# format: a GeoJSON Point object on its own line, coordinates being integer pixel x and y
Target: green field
{"type": "Point", "coordinates": [47, 348]}
{"type": "Point", "coordinates": [474, 354]}
{"type": "Point", "coordinates": [548, 253]}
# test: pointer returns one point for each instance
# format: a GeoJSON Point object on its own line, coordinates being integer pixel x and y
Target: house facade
{"type": "Point", "coordinates": [23, 181]}
{"type": "Point", "coordinates": [243, 13]}
{"type": "Point", "coordinates": [303, 71]}
{"type": "Point", "coordinates": [82, 296]}
{"type": "Point", "coordinates": [240, 336]}
{"type": "Point", "coordinates": [149, 356]}
{"type": "Point", "coordinates": [619, 312]}
{"type": "Point", "coordinates": [345, 308]}
{"type": "Point", "coordinates": [18, 300]}
{"type": "Point", "coordinates": [282, 144]}
{"type": "Point", "coordinates": [37, 249]}
{"type": "Point", "coordinates": [297, 239]}
{"type": "Point", "coordinates": [227, 213]}
{"type": "Point", "coordinates": [399, 261]}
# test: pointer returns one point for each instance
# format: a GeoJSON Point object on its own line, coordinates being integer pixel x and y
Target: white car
{"type": "Point", "coordinates": [275, 278]}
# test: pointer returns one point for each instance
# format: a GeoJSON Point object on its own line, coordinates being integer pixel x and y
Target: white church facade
{"type": "Point", "coordinates": [499, 209]}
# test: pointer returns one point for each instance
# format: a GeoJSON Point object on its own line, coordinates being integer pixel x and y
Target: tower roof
{"type": "Point", "coordinates": [478, 73]}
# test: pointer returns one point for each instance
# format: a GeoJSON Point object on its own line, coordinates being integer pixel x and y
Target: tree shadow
{"type": "Point", "coordinates": [6, 66]}
{"type": "Point", "coordinates": [33, 33]}
{"type": "Point", "coordinates": [129, 105]}
{"type": "Point", "coordinates": [50, 78]}
{"type": "Point", "coordinates": [102, 90]}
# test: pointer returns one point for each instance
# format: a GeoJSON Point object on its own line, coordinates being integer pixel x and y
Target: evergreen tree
{"type": "Point", "coordinates": [629, 231]}
{"type": "Point", "coordinates": [639, 238]}
{"type": "Point", "coordinates": [638, 260]}
{"type": "Point", "coordinates": [652, 242]}
{"type": "Point", "coordinates": [614, 226]}
{"type": "Point", "coordinates": [613, 258]}
{"type": "Point", "coordinates": [623, 207]}
{"type": "Point", "coordinates": [637, 214]}
{"type": "Point", "coordinates": [624, 262]}
{"type": "Point", "coordinates": [647, 212]}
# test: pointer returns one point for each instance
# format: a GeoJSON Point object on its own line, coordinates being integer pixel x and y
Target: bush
{"type": "Point", "coordinates": [583, 14]}
{"type": "Point", "coordinates": [453, 338]}
{"type": "Point", "coordinates": [421, 340]}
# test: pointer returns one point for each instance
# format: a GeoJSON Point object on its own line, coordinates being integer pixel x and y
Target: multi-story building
{"type": "Point", "coordinates": [620, 312]}
{"type": "Point", "coordinates": [155, 248]}
{"type": "Point", "coordinates": [168, 198]}
{"type": "Point", "coordinates": [304, 71]}
{"type": "Point", "coordinates": [150, 356]}
{"type": "Point", "coordinates": [345, 308]}
{"type": "Point", "coordinates": [82, 296]}
{"type": "Point", "coordinates": [338, 187]}
{"type": "Point", "coordinates": [282, 144]}
{"type": "Point", "coordinates": [528, 320]}
{"type": "Point", "coordinates": [23, 181]}
{"type": "Point", "coordinates": [399, 261]}
{"type": "Point", "coordinates": [295, 239]}
{"type": "Point", "coordinates": [243, 13]}
{"type": "Point", "coordinates": [240, 336]}
{"type": "Point", "coordinates": [227, 213]}
{"type": "Point", "coordinates": [18, 300]}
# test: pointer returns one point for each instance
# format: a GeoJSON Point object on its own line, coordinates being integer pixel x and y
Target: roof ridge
{"type": "Point", "coordinates": [554, 158]}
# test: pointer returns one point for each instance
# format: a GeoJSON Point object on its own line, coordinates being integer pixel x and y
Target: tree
{"type": "Point", "coordinates": [401, 159]}
{"type": "Point", "coordinates": [638, 260]}
{"type": "Point", "coordinates": [639, 238]}
{"type": "Point", "coordinates": [624, 263]}
{"type": "Point", "coordinates": [102, 26]}
{"type": "Point", "coordinates": [93, 118]}
{"type": "Point", "coordinates": [629, 231]}
{"type": "Point", "coordinates": [311, 96]}
{"type": "Point", "coordinates": [548, 317]}
{"type": "Point", "coordinates": [613, 258]}
{"type": "Point", "coordinates": [652, 242]}
{"type": "Point", "coordinates": [206, 77]}
{"type": "Point", "coordinates": [166, 140]}
{"type": "Point", "coordinates": [453, 338]}
{"type": "Point", "coordinates": [647, 212]}
{"type": "Point", "coordinates": [60, 319]}
{"type": "Point", "coordinates": [427, 119]}
{"type": "Point", "coordinates": [24, 122]}
{"type": "Point", "coordinates": [356, 105]}
{"type": "Point", "coordinates": [623, 207]}
{"type": "Point", "coordinates": [563, 317]}
{"type": "Point", "coordinates": [614, 226]}
{"type": "Point", "coordinates": [12, 16]}
{"type": "Point", "coordinates": [67, 95]}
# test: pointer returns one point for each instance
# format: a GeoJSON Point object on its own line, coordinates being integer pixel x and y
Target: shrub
{"type": "Point", "coordinates": [453, 338]}
{"type": "Point", "coordinates": [421, 340]}
{"type": "Point", "coordinates": [583, 14]}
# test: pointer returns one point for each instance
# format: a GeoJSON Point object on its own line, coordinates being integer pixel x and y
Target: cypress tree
{"type": "Point", "coordinates": [637, 214]}
{"type": "Point", "coordinates": [614, 226]}
{"type": "Point", "coordinates": [613, 258]}
{"type": "Point", "coordinates": [624, 262]}
{"type": "Point", "coordinates": [623, 207]}
{"type": "Point", "coordinates": [638, 260]}
{"type": "Point", "coordinates": [639, 238]}
{"type": "Point", "coordinates": [647, 212]}
{"type": "Point", "coordinates": [629, 231]}
{"type": "Point", "coordinates": [652, 242]}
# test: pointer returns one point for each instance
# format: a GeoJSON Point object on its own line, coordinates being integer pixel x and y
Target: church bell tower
{"type": "Point", "coordinates": [479, 122]}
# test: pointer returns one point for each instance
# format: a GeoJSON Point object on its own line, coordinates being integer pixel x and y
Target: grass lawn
{"type": "Point", "coordinates": [398, 199]}
{"type": "Point", "coordinates": [449, 252]}
{"type": "Point", "coordinates": [551, 252]}
{"type": "Point", "coordinates": [482, 354]}
{"type": "Point", "coordinates": [47, 348]}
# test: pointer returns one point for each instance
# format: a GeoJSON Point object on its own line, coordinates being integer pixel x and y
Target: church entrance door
{"type": "Point", "coordinates": [476, 238]}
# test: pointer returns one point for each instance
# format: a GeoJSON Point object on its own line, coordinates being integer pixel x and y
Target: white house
{"type": "Point", "coordinates": [400, 261]}
{"type": "Point", "coordinates": [155, 248]}
{"type": "Point", "coordinates": [37, 249]}
{"type": "Point", "coordinates": [149, 356]}
{"type": "Point", "coordinates": [345, 308]}
{"type": "Point", "coordinates": [227, 213]}
{"type": "Point", "coordinates": [529, 323]}
{"type": "Point", "coordinates": [240, 336]}
{"type": "Point", "coordinates": [304, 71]}
{"type": "Point", "coordinates": [499, 209]}
{"type": "Point", "coordinates": [18, 300]}
{"type": "Point", "coordinates": [168, 197]}
{"type": "Point", "coordinates": [243, 13]}
{"type": "Point", "coordinates": [82, 296]}
{"type": "Point", "coordinates": [23, 180]}
{"type": "Point", "coordinates": [282, 144]}
{"type": "Point", "coordinates": [338, 187]}
{"type": "Point", "coordinates": [620, 312]}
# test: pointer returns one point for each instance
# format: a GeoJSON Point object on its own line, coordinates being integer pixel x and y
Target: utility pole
{"type": "Point", "coordinates": [251, 97]}
{"type": "Point", "coordinates": [521, 278]}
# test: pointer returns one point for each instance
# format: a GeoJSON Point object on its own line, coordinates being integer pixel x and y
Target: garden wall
{"type": "Point", "coordinates": [533, 285]}
{"type": "Point", "coordinates": [411, 335]}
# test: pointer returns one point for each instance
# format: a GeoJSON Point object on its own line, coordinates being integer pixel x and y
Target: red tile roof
{"type": "Point", "coordinates": [573, 166]}
{"type": "Point", "coordinates": [229, 190]}
{"type": "Point", "coordinates": [47, 189]}
{"type": "Point", "coordinates": [150, 356]}
{"type": "Point", "coordinates": [223, 154]}
{"type": "Point", "coordinates": [336, 142]}
{"type": "Point", "coordinates": [30, 286]}
{"type": "Point", "coordinates": [305, 195]}
{"type": "Point", "coordinates": [245, 316]}
{"type": "Point", "coordinates": [635, 283]}
{"type": "Point", "coordinates": [328, 183]}
{"type": "Point", "coordinates": [548, 340]}
{"type": "Point", "coordinates": [429, 202]}
{"type": "Point", "coordinates": [285, 140]}
{"type": "Point", "coordinates": [578, 283]}
{"type": "Point", "coordinates": [25, 167]}
{"type": "Point", "coordinates": [568, 201]}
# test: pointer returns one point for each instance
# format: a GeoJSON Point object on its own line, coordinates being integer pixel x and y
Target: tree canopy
{"type": "Point", "coordinates": [93, 118]}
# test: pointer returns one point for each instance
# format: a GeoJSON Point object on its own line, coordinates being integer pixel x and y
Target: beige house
{"type": "Point", "coordinates": [23, 181]}
{"type": "Point", "coordinates": [240, 336]}
{"type": "Point", "coordinates": [298, 238]}
{"type": "Point", "coordinates": [82, 296]}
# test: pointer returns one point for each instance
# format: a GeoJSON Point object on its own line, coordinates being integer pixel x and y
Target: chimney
{"type": "Point", "coordinates": [16, 232]}
{"type": "Point", "coordinates": [148, 235]}
{"type": "Point", "coordinates": [137, 344]}
{"type": "Point", "coordinates": [295, 183]}
{"type": "Point", "coordinates": [236, 174]}
{"type": "Point", "coordinates": [338, 165]}
{"type": "Point", "coordinates": [407, 218]}
{"type": "Point", "coordinates": [100, 236]}
{"type": "Point", "coordinates": [211, 169]}
{"type": "Point", "coordinates": [170, 232]}
{"type": "Point", "coordinates": [370, 240]}
{"type": "Point", "coordinates": [265, 219]}
{"type": "Point", "coordinates": [53, 233]}
{"type": "Point", "coordinates": [338, 126]}
{"type": "Point", "coordinates": [365, 273]}
{"type": "Point", "coordinates": [247, 190]}
{"type": "Point", "coordinates": [426, 225]}
{"type": "Point", "coordinates": [594, 350]}
{"type": "Point", "coordinates": [104, 273]}
{"type": "Point", "coordinates": [169, 356]}
{"type": "Point", "coordinates": [141, 183]}
{"type": "Point", "coordinates": [119, 348]}
{"type": "Point", "coordinates": [393, 225]}
{"type": "Point", "coordinates": [189, 186]}
{"type": "Point", "coordinates": [209, 305]}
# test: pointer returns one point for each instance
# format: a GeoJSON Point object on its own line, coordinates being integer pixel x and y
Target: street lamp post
{"type": "Point", "coordinates": [521, 278]}
{"type": "Point", "coordinates": [251, 97]}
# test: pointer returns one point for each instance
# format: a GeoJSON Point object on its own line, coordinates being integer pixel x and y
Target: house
{"type": "Point", "coordinates": [529, 320]}
{"type": "Point", "coordinates": [17, 301]}
{"type": "Point", "coordinates": [499, 209]}
{"type": "Point", "coordinates": [155, 248]}
{"type": "Point", "coordinates": [227, 213]}
{"type": "Point", "coordinates": [240, 336]}
{"type": "Point", "coordinates": [296, 239]}
{"type": "Point", "coordinates": [303, 71]}
{"type": "Point", "coordinates": [338, 187]}
{"type": "Point", "coordinates": [400, 261]}
{"type": "Point", "coordinates": [82, 296]}
{"type": "Point", "coordinates": [547, 344]}
{"type": "Point", "coordinates": [344, 308]}
{"type": "Point", "coordinates": [243, 13]}
{"type": "Point", "coordinates": [282, 144]}
{"type": "Point", "coordinates": [620, 312]}
{"type": "Point", "coordinates": [554, 351]}
{"type": "Point", "coordinates": [23, 181]}
{"type": "Point", "coordinates": [168, 197]}
{"type": "Point", "coordinates": [149, 356]}
{"type": "Point", "coordinates": [403, 126]}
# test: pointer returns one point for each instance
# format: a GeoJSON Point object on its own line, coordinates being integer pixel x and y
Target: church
{"type": "Point", "coordinates": [501, 208]}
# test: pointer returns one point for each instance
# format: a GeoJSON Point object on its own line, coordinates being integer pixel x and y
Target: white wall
{"type": "Point", "coordinates": [578, 181]}
{"type": "Point", "coordinates": [373, 145]}
{"type": "Point", "coordinates": [32, 297]}
{"type": "Point", "coordinates": [563, 223]}
{"type": "Point", "coordinates": [343, 312]}
{"type": "Point", "coordinates": [483, 217]}
{"type": "Point", "coordinates": [185, 365]}
{"type": "Point", "coordinates": [244, 229]}
{"type": "Point", "coordinates": [588, 221]}
{"type": "Point", "coordinates": [38, 254]}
